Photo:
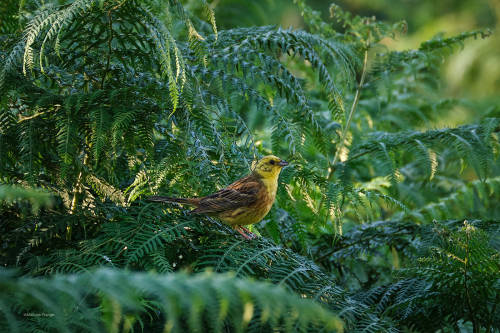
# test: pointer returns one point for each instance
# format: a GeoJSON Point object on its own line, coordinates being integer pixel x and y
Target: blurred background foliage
{"type": "Point", "coordinates": [473, 72]}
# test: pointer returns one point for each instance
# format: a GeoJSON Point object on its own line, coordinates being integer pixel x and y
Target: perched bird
{"type": "Point", "coordinates": [246, 201]}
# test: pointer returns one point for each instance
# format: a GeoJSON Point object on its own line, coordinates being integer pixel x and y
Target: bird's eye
{"type": "Point", "coordinates": [272, 162]}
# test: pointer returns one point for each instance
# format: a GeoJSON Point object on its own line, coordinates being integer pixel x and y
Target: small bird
{"type": "Point", "coordinates": [244, 202]}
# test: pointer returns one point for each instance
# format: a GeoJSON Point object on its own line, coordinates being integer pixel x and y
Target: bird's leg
{"type": "Point", "coordinates": [248, 232]}
{"type": "Point", "coordinates": [241, 232]}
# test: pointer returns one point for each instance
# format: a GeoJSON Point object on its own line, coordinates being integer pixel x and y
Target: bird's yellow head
{"type": "Point", "coordinates": [269, 167]}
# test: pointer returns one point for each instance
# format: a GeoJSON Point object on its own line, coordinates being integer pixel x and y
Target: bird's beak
{"type": "Point", "coordinates": [283, 163]}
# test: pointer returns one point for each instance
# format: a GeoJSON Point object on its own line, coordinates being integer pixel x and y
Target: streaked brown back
{"type": "Point", "coordinates": [241, 193]}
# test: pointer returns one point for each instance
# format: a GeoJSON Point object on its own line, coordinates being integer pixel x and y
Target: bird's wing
{"type": "Point", "coordinates": [241, 193]}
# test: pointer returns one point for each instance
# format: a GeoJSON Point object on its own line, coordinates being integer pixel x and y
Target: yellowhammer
{"type": "Point", "coordinates": [246, 201]}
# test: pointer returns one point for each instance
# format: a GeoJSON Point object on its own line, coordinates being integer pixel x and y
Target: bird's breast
{"type": "Point", "coordinates": [271, 186]}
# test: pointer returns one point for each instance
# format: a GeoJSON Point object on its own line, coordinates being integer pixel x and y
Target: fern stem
{"type": "Point", "coordinates": [491, 317]}
{"type": "Point", "coordinates": [78, 186]}
{"type": "Point", "coordinates": [108, 60]}
{"type": "Point", "coordinates": [475, 324]}
{"type": "Point", "coordinates": [331, 165]}
{"type": "Point", "coordinates": [349, 118]}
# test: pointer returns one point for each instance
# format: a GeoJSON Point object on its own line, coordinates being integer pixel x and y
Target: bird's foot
{"type": "Point", "coordinates": [247, 234]}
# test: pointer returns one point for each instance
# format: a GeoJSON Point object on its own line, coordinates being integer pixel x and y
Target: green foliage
{"type": "Point", "coordinates": [106, 102]}
{"type": "Point", "coordinates": [151, 238]}
{"type": "Point", "coordinates": [285, 268]}
{"type": "Point", "coordinates": [457, 281]}
{"type": "Point", "coordinates": [111, 301]}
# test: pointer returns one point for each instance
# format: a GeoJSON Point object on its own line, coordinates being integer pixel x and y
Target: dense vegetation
{"type": "Point", "coordinates": [383, 221]}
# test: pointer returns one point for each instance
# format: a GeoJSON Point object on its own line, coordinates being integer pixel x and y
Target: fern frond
{"type": "Point", "coordinates": [472, 200]}
{"type": "Point", "coordinates": [471, 141]}
{"type": "Point", "coordinates": [265, 259]}
{"type": "Point", "coordinates": [109, 299]}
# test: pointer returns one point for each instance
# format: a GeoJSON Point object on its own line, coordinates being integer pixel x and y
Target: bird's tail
{"type": "Point", "coordinates": [170, 199]}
